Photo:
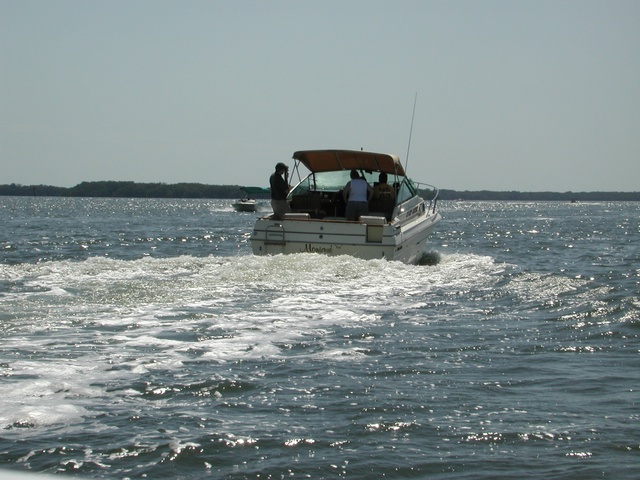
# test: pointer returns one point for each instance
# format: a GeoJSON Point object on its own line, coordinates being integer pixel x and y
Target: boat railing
{"type": "Point", "coordinates": [434, 198]}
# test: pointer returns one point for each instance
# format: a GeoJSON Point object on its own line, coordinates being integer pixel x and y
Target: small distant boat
{"type": "Point", "coordinates": [246, 205]}
{"type": "Point", "coordinates": [393, 230]}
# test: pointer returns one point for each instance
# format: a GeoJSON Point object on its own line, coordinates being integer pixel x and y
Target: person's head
{"type": "Point", "coordinates": [382, 178]}
{"type": "Point", "coordinates": [281, 168]}
{"type": "Point", "coordinates": [354, 174]}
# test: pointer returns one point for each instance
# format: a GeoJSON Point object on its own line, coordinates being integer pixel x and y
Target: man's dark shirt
{"type": "Point", "coordinates": [279, 187]}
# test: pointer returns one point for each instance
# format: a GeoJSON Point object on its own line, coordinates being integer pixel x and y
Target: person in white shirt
{"type": "Point", "coordinates": [356, 195]}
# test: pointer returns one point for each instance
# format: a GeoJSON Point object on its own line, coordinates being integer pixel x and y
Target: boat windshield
{"type": "Point", "coordinates": [407, 190]}
{"type": "Point", "coordinates": [322, 182]}
{"type": "Point", "coordinates": [335, 181]}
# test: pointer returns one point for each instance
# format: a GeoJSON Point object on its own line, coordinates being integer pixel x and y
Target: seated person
{"type": "Point", "coordinates": [383, 189]}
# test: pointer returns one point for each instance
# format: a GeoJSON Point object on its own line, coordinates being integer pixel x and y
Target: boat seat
{"type": "Point", "coordinates": [383, 205]}
{"type": "Point", "coordinates": [306, 204]}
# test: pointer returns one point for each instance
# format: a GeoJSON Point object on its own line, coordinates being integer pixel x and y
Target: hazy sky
{"type": "Point", "coordinates": [528, 95]}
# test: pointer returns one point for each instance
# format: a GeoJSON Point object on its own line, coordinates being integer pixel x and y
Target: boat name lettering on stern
{"type": "Point", "coordinates": [308, 248]}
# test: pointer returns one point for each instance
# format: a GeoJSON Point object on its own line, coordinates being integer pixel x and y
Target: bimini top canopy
{"type": "Point", "coordinates": [332, 160]}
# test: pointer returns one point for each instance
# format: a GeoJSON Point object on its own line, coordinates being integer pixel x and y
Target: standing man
{"type": "Point", "coordinates": [356, 194]}
{"type": "Point", "coordinates": [279, 191]}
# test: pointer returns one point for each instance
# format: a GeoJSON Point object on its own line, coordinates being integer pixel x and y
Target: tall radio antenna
{"type": "Point", "coordinates": [406, 162]}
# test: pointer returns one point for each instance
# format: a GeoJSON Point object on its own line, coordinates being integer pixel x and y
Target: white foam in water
{"type": "Point", "coordinates": [130, 314]}
{"type": "Point", "coordinates": [46, 397]}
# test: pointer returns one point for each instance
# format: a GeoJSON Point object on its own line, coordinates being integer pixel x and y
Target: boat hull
{"type": "Point", "coordinates": [369, 238]}
{"type": "Point", "coordinates": [245, 206]}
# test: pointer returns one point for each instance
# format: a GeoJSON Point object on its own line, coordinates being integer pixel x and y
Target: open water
{"type": "Point", "coordinates": [142, 339]}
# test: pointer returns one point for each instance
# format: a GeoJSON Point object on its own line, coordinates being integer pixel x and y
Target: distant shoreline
{"type": "Point", "coordinates": [117, 189]}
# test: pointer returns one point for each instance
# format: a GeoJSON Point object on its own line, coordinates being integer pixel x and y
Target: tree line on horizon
{"type": "Point", "coordinates": [127, 189]}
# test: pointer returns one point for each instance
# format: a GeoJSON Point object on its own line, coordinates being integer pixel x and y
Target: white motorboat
{"type": "Point", "coordinates": [248, 203]}
{"type": "Point", "coordinates": [245, 205]}
{"type": "Point", "coordinates": [395, 228]}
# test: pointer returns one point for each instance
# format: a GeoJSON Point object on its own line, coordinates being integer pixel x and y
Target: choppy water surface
{"type": "Point", "coordinates": [142, 339]}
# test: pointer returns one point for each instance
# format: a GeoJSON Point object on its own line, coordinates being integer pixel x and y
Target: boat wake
{"type": "Point", "coordinates": [122, 320]}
